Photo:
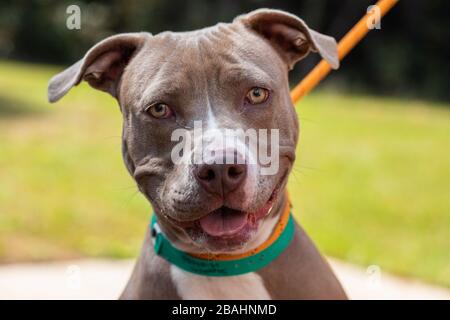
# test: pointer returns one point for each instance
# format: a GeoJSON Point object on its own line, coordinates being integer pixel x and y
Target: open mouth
{"type": "Point", "coordinates": [227, 228]}
{"type": "Point", "coordinates": [226, 222]}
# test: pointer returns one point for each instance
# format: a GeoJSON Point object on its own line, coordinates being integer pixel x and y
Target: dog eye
{"type": "Point", "coordinates": [159, 111]}
{"type": "Point", "coordinates": [257, 95]}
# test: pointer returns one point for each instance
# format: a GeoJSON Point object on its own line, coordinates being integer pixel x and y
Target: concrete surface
{"type": "Point", "coordinates": [104, 279]}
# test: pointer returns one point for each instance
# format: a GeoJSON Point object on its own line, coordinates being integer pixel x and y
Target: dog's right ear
{"type": "Point", "coordinates": [290, 36]}
{"type": "Point", "coordinates": [101, 67]}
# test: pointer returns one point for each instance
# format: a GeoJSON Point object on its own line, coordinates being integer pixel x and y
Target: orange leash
{"type": "Point", "coordinates": [347, 43]}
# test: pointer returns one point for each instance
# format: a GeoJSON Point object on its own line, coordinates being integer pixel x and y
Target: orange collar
{"type": "Point", "coordinates": [222, 265]}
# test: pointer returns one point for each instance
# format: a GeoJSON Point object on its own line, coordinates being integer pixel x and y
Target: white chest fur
{"type": "Point", "coordinates": [191, 286]}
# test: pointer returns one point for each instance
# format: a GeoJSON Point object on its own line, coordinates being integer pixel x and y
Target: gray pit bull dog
{"type": "Point", "coordinates": [235, 76]}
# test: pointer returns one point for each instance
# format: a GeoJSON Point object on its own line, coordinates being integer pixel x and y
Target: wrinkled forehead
{"type": "Point", "coordinates": [214, 58]}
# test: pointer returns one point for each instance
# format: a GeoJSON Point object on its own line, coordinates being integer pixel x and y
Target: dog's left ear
{"type": "Point", "coordinates": [102, 66]}
{"type": "Point", "coordinates": [290, 36]}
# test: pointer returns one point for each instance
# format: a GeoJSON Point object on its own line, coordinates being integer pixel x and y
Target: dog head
{"type": "Point", "coordinates": [181, 96]}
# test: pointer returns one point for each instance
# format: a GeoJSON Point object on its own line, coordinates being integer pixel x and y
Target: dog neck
{"type": "Point", "coordinates": [225, 264]}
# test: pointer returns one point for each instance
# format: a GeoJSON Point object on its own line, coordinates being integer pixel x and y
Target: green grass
{"type": "Point", "coordinates": [371, 183]}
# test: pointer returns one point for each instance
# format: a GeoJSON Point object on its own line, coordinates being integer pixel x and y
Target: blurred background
{"type": "Point", "coordinates": [372, 181]}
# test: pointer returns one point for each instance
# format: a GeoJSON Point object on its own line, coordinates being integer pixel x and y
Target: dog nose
{"type": "Point", "coordinates": [220, 178]}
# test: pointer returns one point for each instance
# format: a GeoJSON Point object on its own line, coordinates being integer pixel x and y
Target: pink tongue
{"type": "Point", "coordinates": [223, 222]}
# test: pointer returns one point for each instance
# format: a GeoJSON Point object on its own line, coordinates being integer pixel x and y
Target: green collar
{"type": "Point", "coordinates": [220, 268]}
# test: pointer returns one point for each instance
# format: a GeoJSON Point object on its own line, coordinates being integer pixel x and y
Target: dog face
{"type": "Point", "coordinates": [216, 80]}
